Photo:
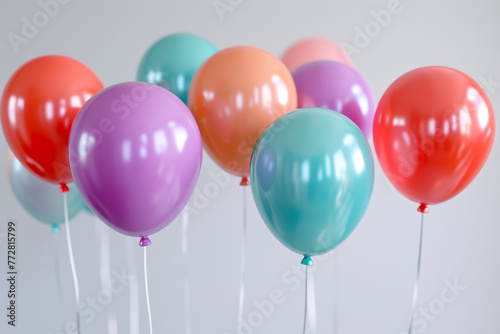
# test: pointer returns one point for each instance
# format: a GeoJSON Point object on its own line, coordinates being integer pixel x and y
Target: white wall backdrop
{"type": "Point", "coordinates": [368, 280]}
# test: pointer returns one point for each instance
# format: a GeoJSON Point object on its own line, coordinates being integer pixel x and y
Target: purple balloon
{"type": "Point", "coordinates": [135, 155]}
{"type": "Point", "coordinates": [335, 86]}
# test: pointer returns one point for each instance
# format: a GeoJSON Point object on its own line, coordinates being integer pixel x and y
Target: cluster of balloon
{"type": "Point", "coordinates": [41, 199]}
{"type": "Point", "coordinates": [312, 178]}
{"type": "Point", "coordinates": [172, 62]}
{"type": "Point", "coordinates": [325, 78]}
{"type": "Point", "coordinates": [433, 131]}
{"type": "Point", "coordinates": [135, 155]}
{"type": "Point", "coordinates": [39, 105]}
{"type": "Point", "coordinates": [234, 96]}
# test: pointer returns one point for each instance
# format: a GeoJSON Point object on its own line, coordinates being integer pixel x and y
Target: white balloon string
{"type": "Point", "coordinates": [417, 280]}
{"type": "Point", "coordinates": [306, 300]}
{"type": "Point", "coordinates": [133, 288]}
{"type": "Point", "coordinates": [311, 303]}
{"type": "Point", "coordinates": [72, 263]}
{"type": "Point", "coordinates": [242, 263]}
{"type": "Point", "coordinates": [148, 303]}
{"type": "Point", "coordinates": [187, 297]}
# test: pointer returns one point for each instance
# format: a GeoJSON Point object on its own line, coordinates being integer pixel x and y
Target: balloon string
{"type": "Point", "coordinates": [133, 289]}
{"type": "Point", "coordinates": [417, 280]}
{"type": "Point", "coordinates": [105, 268]}
{"type": "Point", "coordinates": [187, 315]}
{"type": "Point", "coordinates": [306, 300]}
{"type": "Point", "coordinates": [72, 263]}
{"type": "Point", "coordinates": [148, 303]}
{"type": "Point", "coordinates": [242, 263]}
{"type": "Point", "coordinates": [311, 301]}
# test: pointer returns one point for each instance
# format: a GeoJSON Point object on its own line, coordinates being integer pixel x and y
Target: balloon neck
{"type": "Point", "coordinates": [307, 261]}
{"type": "Point", "coordinates": [64, 188]}
{"type": "Point", "coordinates": [144, 241]}
{"type": "Point", "coordinates": [423, 208]}
{"type": "Point", "coordinates": [245, 181]}
{"type": "Point", "coordinates": [54, 228]}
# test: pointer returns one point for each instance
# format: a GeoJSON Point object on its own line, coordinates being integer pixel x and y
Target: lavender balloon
{"type": "Point", "coordinates": [335, 86]}
{"type": "Point", "coordinates": [135, 155]}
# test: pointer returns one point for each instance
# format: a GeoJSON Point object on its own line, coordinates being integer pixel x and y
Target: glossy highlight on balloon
{"type": "Point", "coordinates": [335, 86]}
{"type": "Point", "coordinates": [135, 154]}
{"type": "Point", "coordinates": [38, 107]}
{"type": "Point", "coordinates": [234, 96]}
{"type": "Point", "coordinates": [312, 178]}
{"type": "Point", "coordinates": [314, 49]}
{"type": "Point", "coordinates": [172, 62]}
{"type": "Point", "coordinates": [433, 132]}
{"type": "Point", "coordinates": [41, 199]}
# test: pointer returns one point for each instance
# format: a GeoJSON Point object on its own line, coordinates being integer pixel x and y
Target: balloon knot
{"type": "Point", "coordinates": [423, 208]}
{"type": "Point", "coordinates": [307, 261]}
{"type": "Point", "coordinates": [55, 228]}
{"type": "Point", "coordinates": [64, 188]}
{"type": "Point", "coordinates": [245, 181]}
{"type": "Point", "coordinates": [144, 241]}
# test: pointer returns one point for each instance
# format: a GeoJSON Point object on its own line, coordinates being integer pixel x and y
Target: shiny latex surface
{"type": "Point", "coordinates": [38, 107]}
{"type": "Point", "coordinates": [312, 178]}
{"type": "Point", "coordinates": [433, 131]}
{"type": "Point", "coordinates": [234, 96]}
{"type": "Point", "coordinates": [135, 154]}
{"type": "Point", "coordinates": [173, 61]}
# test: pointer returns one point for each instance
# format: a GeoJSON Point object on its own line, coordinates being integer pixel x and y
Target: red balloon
{"type": "Point", "coordinates": [38, 107]}
{"type": "Point", "coordinates": [433, 131]}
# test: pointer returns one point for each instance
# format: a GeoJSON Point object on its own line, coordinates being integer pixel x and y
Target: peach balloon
{"type": "Point", "coordinates": [234, 96]}
{"type": "Point", "coordinates": [314, 49]}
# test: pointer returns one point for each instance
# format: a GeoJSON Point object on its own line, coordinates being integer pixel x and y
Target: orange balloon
{"type": "Point", "coordinates": [38, 107]}
{"type": "Point", "coordinates": [314, 49]}
{"type": "Point", "coordinates": [234, 96]}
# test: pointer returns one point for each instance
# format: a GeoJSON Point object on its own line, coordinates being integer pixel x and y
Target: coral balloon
{"type": "Point", "coordinates": [433, 131]}
{"type": "Point", "coordinates": [314, 49]}
{"type": "Point", "coordinates": [332, 85]}
{"type": "Point", "coordinates": [312, 179]}
{"type": "Point", "coordinates": [39, 105]}
{"type": "Point", "coordinates": [234, 96]}
{"type": "Point", "coordinates": [135, 154]}
{"type": "Point", "coordinates": [173, 61]}
{"type": "Point", "coordinates": [41, 199]}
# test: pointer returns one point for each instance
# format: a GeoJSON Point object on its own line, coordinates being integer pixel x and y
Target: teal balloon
{"type": "Point", "coordinates": [173, 61]}
{"type": "Point", "coordinates": [41, 199]}
{"type": "Point", "coordinates": [312, 176]}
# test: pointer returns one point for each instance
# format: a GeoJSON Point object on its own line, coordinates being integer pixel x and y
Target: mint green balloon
{"type": "Point", "coordinates": [41, 199]}
{"type": "Point", "coordinates": [173, 60]}
{"type": "Point", "coordinates": [312, 177]}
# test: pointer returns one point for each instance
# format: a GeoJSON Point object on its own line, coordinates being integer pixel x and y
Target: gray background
{"type": "Point", "coordinates": [369, 279]}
